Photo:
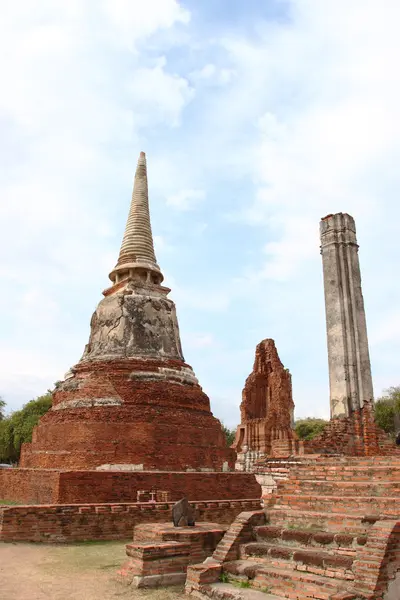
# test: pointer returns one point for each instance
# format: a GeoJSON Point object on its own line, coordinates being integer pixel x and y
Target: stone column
{"type": "Point", "coordinates": [349, 364]}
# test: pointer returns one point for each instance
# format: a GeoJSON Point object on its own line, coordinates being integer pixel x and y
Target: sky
{"type": "Point", "coordinates": [258, 118]}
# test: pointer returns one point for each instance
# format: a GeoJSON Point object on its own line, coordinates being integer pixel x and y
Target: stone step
{"type": "Point", "coordinates": [311, 560]}
{"type": "Point", "coordinates": [280, 516]}
{"type": "Point", "coordinates": [342, 488]}
{"type": "Point", "coordinates": [287, 582]}
{"type": "Point", "coordinates": [227, 591]}
{"type": "Point", "coordinates": [348, 473]}
{"type": "Point", "coordinates": [353, 505]}
{"type": "Point", "coordinates": [301, 536]}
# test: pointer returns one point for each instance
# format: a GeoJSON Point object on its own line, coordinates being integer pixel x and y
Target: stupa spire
{"type": "Point", "coordinates": [137, 256]}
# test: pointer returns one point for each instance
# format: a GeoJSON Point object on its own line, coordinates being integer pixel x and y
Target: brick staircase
{"type": "Point", "coordinates": [323, 535]}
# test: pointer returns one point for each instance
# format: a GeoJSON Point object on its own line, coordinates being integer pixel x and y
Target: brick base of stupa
{"type": "Point", "coordinates": [146, 413]}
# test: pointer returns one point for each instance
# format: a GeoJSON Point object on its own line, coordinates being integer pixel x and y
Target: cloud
{"type": "Point", "coordinates": [135, 20]}
{"type": "Point", "coordinates": [68, 107]}
{"type": "Point", "coordinates": [158, 95]}
{"type": "Point", "coordinates": [186, 199]}
{"type": "Point", "coordinates": [213, 75]}
{"type": "Point", "coordinates": [286, 119]}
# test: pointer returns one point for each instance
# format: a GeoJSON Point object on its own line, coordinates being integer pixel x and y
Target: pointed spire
{"type": "Point", "coordinates": [137, 248]}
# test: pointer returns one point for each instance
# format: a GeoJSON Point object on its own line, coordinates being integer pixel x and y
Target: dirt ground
{"type": "Point", "coordinates": [69, 572]}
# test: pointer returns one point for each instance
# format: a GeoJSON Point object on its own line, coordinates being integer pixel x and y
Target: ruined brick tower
{"type": "Point", "coordinates": [131, 399]}
{"type": "Point", "coordinates": [267, 407]}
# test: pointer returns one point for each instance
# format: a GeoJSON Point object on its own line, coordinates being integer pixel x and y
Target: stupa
{"type": "Point", "coordinates": [131, 399]}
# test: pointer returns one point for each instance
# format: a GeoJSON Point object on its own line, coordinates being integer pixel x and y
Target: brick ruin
{"type": "Point", "coordinates": [131, 422]}
{"type": "Point", "coordinates": [130, 417]}
{"type": "Point", "coordinates": [131, 399]}
{"type": "Point", "coordinates": [329, 532]}
{"type": "Point", "coordinates": [352, 429]}
{"type": "Point", "coordinates": [266, 411]}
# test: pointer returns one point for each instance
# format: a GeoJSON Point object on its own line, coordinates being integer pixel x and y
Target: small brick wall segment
{"type": "Point", "coordinates": [80, 522]}
{"type": "Point", "coordinates": [128, 412]}
{"type": "Point", "coordinates": [356, 435]}
{"type": "Point", "coordinates": [379, 561]}
{"type": "Point", "coordinates": [69, 487]}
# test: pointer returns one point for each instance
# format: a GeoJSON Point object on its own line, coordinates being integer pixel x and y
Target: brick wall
{"type": "Point", "coordinates": [357, 435]}
{"type": "Point", "coordinates": [108, 486]}
{"type": "Point", "coordinates": [79, 522]}
{"type": "Point", "coordinates": [68, 487]}
{"type": "Point", "coordinates": [26, 485]}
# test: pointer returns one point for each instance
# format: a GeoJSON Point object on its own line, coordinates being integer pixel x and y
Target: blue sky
{"type": "Point", "coordinates": [257, 118]}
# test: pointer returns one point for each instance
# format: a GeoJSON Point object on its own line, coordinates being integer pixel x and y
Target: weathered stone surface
{"type": "Point", "coordinates": [352, 429]}
{"type": "Point", "coordinates": [183, 514]}
{"type": "Point", "coordinates": [348, 354]}
{"type": "Point", "coordinates": [135, 321]}
{"type": "Point", "coordinates": [266, 410]}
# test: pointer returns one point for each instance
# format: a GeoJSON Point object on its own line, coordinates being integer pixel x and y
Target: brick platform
{"type": "Point", "coordinates": [67, 487]}
{"type": "Point", "coordinates": [160, 553]}
{"type": "Point", "coordinates": [79, 522]}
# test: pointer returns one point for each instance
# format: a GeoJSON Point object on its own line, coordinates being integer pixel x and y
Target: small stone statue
{"type": "Point", "coordinates": [398, 439]}
{"type": "Point", "coordinates": [183, 514]}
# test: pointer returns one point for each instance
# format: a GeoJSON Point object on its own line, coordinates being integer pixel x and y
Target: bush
{"type": "Point", "coordinates": [17, 428]}
{"type": "Point", "coordinates": [387, 410]}
{"type": "Point", "coordinates": [309, 428]}
{"type": "Point", "coordinates": [230, 435]}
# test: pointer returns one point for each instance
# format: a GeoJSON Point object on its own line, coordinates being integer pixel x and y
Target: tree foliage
{"type": "Point", "coordinates": [17, 428]}
{"type": "Point", "coordinates": [309, 428]}
{"type": "Point", "coordinates": [387, 410]}
{"type": "Point", "coordinates": [2, 408]}
{"type": "Point", "coordinates": [230, 435]}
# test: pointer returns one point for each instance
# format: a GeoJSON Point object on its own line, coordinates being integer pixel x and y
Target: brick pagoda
{"type": "Point", "coordinates": [131, 399]}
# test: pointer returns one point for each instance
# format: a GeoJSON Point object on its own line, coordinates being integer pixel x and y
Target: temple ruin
{"type": "Point", "coordinates": [131, 400]}
{"type": "Point", "coordinates": [350, 376]}
{"type": "Point", "coordinates": [266, 411]}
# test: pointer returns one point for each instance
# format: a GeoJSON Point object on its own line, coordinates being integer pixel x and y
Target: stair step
{"type": "Point", "coordinates": [317, 538]}
{"type": "Point", "coordinates": [355, 505]}
{"type": "Point", "coordinates": [299, 585]}
{"type": "Point", "coordinates": [280, 516]}
{"type": "Point", "coordinates": [302, 559]}
{"type": "Point", "coordinates": [374, 489]}
{"type": "Point", "coordinates": [380, 473]}
{"type": "Point", "coordinates": [226, 591]}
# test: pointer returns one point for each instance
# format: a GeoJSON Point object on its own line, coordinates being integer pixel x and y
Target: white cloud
{"type": "Point", "coordinates": [67, 110]}
{"type": "Point", "coordinates": [159, 97]}
{"type": "Point", "coordinates": [213, 75]}
{"type": "Point", "coordinates": [135, 20]}
{"type": "Point", "coordinates": [186, 199]}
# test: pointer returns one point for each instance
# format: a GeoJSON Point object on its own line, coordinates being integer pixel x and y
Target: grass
{"type": "Point", "coordinates": [8, 502]}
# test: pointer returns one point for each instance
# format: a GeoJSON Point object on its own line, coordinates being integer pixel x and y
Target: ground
{"type": "Point", "coordinates": [69, 572]}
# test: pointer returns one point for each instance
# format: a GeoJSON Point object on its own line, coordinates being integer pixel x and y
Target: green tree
{"type": "Point", "coordinates": [230, 435]}
{"type": "Point", "coordinates": [387, 410]}
{"type": "Point", "coordinates": [2, 407]}
{"type": "Point", "coordinates": [309, 428]}
{"type": "Point", "coordinates": [17, 428]}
